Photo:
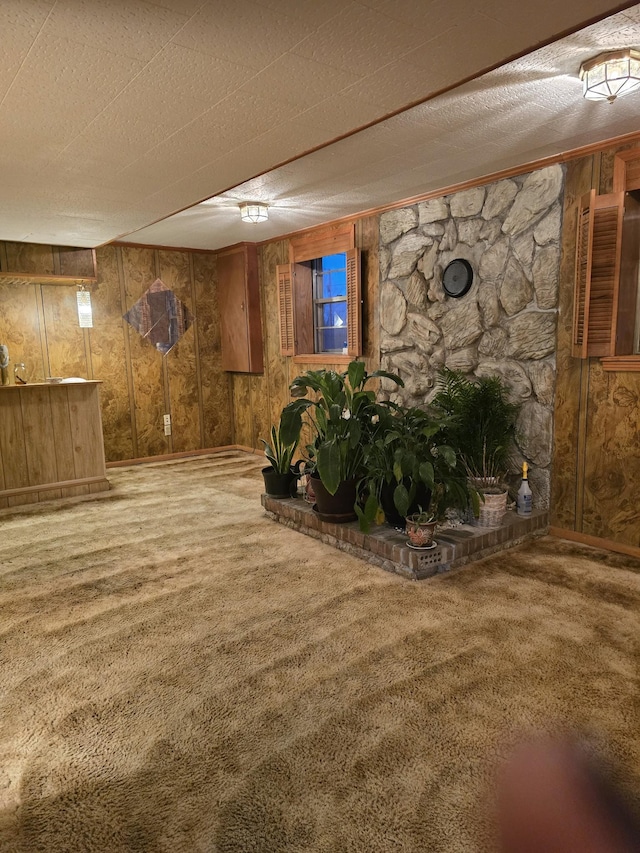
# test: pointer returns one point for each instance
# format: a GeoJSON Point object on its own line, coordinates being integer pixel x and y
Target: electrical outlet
{"type": "Point", "coordinates": [167, 424]}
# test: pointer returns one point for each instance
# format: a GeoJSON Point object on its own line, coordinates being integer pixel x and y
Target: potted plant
{"type": "Point", "coordinates": [481, 423]}
{"type": "Point", "coordinates": [344, 417]}
{"type": "Point", "coordinates": [420, 527]}
{"type": "Point", "coordinates": [279, 476]}
{"type": "Point", "coordinates": [409, 468]}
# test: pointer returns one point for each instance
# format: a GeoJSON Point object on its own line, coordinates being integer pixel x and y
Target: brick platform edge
{"type": "Point", "coordinates": [388, 549]}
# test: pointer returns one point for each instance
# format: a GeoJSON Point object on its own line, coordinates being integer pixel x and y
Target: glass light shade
{"type": "Point", "coordinates": [254, 212]}
{"type": "Point", "coordinates": [610, 75]}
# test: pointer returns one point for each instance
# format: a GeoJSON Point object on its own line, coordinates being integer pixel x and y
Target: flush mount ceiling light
{"type": "Point", "coordinates": [254, 212]}
{"type": "Point", "coordinates": [610, 75]}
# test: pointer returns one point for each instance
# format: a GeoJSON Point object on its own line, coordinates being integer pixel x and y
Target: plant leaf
{"type": "Point", "coordinates": [329, 465]}
{"type": "Point", "coordinates": [401, 499]}
{"type": "Point", "coordinates": [356, 373]}
{"type": "Point", "coordinates": [426, 473]}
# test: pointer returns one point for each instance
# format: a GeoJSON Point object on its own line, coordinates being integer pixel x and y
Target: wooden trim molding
{"type": "Point", "coordinates": [61, 484]}
{"type": "Point", "coordinates": [326, 358]}
{"type": "Point", "coordinates": [184, 454]}
{"type": "Point", "coordinates": [595, 541]}
{"type": "Point", "coordinates": [35, 278]}
{"type": "Point", "coordinates": [621, 363]}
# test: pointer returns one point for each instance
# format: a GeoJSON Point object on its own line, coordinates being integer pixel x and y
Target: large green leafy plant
{"type": "Point", "coordinates": [409, 458]}
{"type": "Point", "coordinates": [344, 417]}
{"type": "Point", "coordinates": [481, 422]}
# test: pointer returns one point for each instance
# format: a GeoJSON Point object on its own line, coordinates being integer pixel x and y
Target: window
{"type": "Point", "coordinates": [606, 320]}
{"type": "Point", "coordinates": [319, 297]}
{"type": "Point", "coordinates": [329, 278]}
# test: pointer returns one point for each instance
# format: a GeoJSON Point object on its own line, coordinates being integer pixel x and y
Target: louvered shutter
{"type": "Point", "coordinates": [354, 303]}
{"type": "Point", "coordinates": [597, 275]}
{"type": "Point", "coordinates": [285, 308]}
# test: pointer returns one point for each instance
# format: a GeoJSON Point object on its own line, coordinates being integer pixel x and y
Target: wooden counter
{"type": "Point", "coordinates": [51, 443]}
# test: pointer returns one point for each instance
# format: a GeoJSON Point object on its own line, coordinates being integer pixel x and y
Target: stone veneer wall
{"type": "Point", "coordinates": [506, 325]}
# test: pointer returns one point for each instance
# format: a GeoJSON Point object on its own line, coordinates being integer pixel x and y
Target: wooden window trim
{"type": "Point", "coordinates": [299, 317]}
{"type": "Point", "coordinates": [621, 363]}
{"type": "Point", "coordinates": [322, 358]}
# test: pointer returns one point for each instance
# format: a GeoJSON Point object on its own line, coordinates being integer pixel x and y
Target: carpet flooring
{"type": "Point", "coordinates": [179, 673]}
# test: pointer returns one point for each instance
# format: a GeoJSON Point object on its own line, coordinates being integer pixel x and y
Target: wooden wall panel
{"type": "Point", "coordinates": [569, 370]}
{"type": "Point", "coordinates": [612, 457]}
{"type": "Point", "coordinates": [215, 384]}
{"type": "Point", "coordinates": [20, 327]}
{"type": "Point", "coordinates": [39, 437]}
{"type": "Point", "coordinates": [139, 270]}
{"type": "Point", "coordinates": [243, 416]}
{"type": "Point", "coordinates": [65, 338]}
{"type": "Point", "coordinates": [175, 272]}
{"type": "Point", "coordinates": [109, 357]}
{"type": "Point", "coordinates": [86, 432]}
{"type": "Point", "coordinates": [276, 366]}
{"type": "Point", "coordinates": [62, 436]}
{"type": "Point", "coordinates": [261, 417]}
{"type": "Point", "coordinates": [12, 445]}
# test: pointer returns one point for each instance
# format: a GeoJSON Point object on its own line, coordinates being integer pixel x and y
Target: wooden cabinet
{"type": "Point", "coordinates": [51, 443]}
{"type": "Point", "coordinates": [239, 301]}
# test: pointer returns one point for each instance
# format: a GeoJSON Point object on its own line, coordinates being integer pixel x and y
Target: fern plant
{"type": "Point", "coordinates": [481, 423]}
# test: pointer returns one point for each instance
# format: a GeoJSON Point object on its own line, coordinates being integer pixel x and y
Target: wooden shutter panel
{"type": "Point", "coordinates": [597, 276]}
{"type": "Point", "coordinates": [354, 303]}
{"type": "Point", "coordinates": [285, 308]}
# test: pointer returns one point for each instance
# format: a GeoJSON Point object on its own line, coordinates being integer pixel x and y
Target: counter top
{"type": "Point", "coordinates": [13, 387]}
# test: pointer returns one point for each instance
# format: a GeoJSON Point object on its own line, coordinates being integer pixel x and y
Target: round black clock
{"type": "Point", "coordinates": [457, 277]}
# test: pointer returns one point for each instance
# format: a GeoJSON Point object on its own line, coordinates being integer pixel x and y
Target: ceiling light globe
{"type": "Point", "coordinates": [254, 212]}
{"type": "Point", "coordinates": [610, 75]}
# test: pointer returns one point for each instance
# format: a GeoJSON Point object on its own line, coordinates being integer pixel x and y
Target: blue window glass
{"type": "Point", "coordinates": [330, 302]}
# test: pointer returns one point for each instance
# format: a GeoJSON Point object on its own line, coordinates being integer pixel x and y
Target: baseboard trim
{"type": "Point", "coordinates": [185, 454]}
{"type": "Point", "coordinates": [595, 541]}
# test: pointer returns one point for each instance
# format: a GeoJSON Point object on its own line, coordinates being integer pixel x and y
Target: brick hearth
{"type": "Point", "coordinates": [387, 547]}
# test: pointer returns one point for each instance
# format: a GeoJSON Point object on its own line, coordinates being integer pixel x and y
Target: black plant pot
{"type": "Point", "coordinates": [279, 485]}
{"type": "Point", "coordinates": [420, 503]}
{"type": "Point", "coordinates": [337, 508]}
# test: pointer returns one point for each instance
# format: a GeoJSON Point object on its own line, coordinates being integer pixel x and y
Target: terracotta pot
{"type": "Point", "coordinates": [337, 508]}
{"type": "Point", "coordinates": [420, 533]}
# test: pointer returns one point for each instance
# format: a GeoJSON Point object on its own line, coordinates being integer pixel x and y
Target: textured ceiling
{"type": "Point", "coordinates": [117, 114]}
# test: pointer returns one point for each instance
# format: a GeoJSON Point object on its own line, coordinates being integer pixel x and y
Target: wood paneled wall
{"type": "Point", "coordinates": [259, 399]}
{"type": "Point", "coordinates": [39, 324]}
{"type": "Point", "coordinates": [596, 465]}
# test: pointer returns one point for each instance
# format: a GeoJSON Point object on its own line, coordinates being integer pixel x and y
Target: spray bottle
{"type": "Point", "coordinates": [524, 499]}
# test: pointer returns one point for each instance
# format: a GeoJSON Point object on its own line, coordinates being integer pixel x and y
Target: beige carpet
{"type": "Point", "coordinates": [179, 673]}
